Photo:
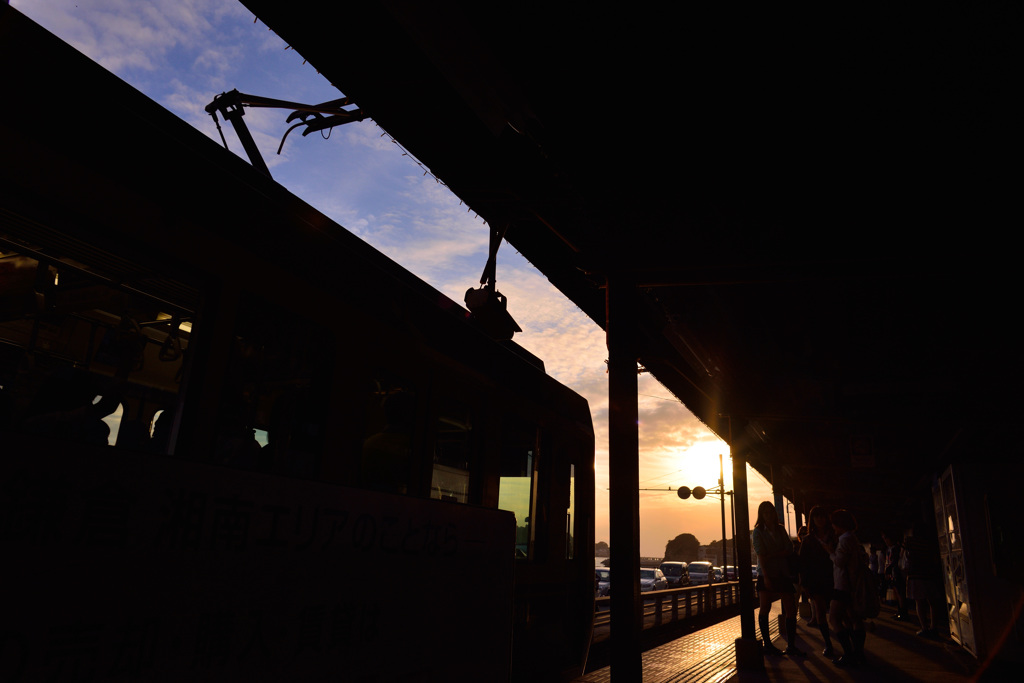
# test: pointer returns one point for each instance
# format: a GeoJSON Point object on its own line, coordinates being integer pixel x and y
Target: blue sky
{"type": "Point", "coordinates": [181, 53]}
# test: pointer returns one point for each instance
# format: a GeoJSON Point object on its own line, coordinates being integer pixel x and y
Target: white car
{"type": "Point", "coordinates": [652, 580]}
{"type": "Point", "coordinates": [700, 572]}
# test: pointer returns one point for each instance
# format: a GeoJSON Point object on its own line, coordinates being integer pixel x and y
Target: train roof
{"type": "Point", "coordinates": [131, 162]}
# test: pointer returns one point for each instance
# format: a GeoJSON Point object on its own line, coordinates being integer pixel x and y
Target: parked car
{"type": "Point", "coordinates": [652, 580]}
{"type": "Point", "coordinates": [676, 574]}
{"type": "Point", "coordinates": [604, 581]}
{"type": "Point", "coordinates": [732, 573]}
{"type": "Point", "coordinates": [700, 572]}
{"type": "Point", "coordinates": [717, 574]}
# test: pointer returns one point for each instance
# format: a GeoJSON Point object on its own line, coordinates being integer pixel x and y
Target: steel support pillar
{"type": "Point", "coordinates": [780, 505]}
{"type": "Point", "coordinates": [624, 476]}
{"type": "Point", "coordinates": [748, 650]}
{"type": "Point", "coordinates": [725, 539]}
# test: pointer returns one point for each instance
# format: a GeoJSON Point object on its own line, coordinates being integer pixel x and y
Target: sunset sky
{"type": "Point", "coordinates": [181, 53]}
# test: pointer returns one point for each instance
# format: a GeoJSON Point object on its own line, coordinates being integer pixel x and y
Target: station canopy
{"type": "Point", "coordinates": [813, 204]}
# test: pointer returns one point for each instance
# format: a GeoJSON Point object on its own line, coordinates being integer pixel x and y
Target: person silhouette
{"type": "Point", "coordinates": [387, 455]}
{"type": "Point", "coordinates": [816, 570]}
{"type": "Point", "coordinates": [774, 550]}
{"type": "Point", "coordinates": [849, 560]}
{"type": "Point", "coordinates": [923, 568]}
{"type": "Point", "coordinates": [894, 573]}
{"type": "Point", "coordinates": [66, 407]}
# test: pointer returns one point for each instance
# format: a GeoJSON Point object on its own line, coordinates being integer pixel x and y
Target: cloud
{"type": "Point", "coordinates": [122, 35]}
{"type": "Point", "coordinates": [216, 62]}
{"type": "Point", "coordinates": [374, 138]}
{"type": "Point", "coordinates": [188, 104]}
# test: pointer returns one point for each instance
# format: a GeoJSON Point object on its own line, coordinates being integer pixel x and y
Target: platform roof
{"type": "Point", "coordinates": [814, 204]}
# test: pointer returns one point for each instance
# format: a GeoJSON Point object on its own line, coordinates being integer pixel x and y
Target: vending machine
{"type": "Point", "coordinates": [978, 523]}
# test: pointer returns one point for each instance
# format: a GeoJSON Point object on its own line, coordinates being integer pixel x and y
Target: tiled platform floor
{"type": "Point", "coordinates": [894, 653]}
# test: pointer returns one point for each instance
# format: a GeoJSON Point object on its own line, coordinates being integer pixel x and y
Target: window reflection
{"type": "Point", "coordinates": [387, 457]}
{"type": "Point", "coordinates": [570, 544]}
{"type": "Point", "coordinates": [516, 484]}
{"type": "Point", "coordinates": [276, 385]}
{"type": "Point", "coordinates": [454, 452]}
{"type": "Point", "coordinates": [85, 360]}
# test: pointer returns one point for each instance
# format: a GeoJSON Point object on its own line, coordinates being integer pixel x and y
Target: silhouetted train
{"type": "Point", "coordinates": [239, 443]}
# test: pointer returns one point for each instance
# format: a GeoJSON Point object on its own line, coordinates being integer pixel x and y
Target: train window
{"type": "Point", "coordinates": [387, 461]}
{"type": "Point", "coordinates": [113, 421]}
{"type": "Point", "coordinates": [85, 360]}
{"type": "Point", "coordinates": [570, 543]}
{"type": "Point", "coordinates": [454, 452]}
{"type": "Point", "coordinates": [276, 386]}
{"type": "Point", "coordinates": [516, 483]}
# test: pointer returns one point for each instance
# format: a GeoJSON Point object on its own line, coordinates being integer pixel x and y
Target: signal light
{"type": "Point", "coordinates": [697, 492]}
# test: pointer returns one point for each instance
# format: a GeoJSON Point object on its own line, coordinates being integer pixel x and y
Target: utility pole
{"type": "Point", "coordinates": [725, 540]}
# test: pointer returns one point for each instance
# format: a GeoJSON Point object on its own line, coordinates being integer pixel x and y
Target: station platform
{"type": "Point", "coordinates": [894, 653]}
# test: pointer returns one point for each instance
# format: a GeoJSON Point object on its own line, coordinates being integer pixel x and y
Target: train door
{"type": "Point", "coordinates": [543, 480]}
